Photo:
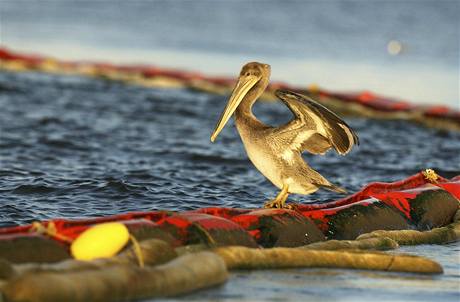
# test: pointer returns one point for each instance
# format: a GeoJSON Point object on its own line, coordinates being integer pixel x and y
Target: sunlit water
{"type": "Point", "coordinates": [339, 45]}
{"type": "Point", "coordinates": [79, 147]}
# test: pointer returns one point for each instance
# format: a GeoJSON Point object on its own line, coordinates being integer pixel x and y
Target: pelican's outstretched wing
{"type": "Point", "coordinates": [315, 128]}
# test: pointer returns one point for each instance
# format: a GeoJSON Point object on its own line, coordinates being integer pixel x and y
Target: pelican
{"type": "Point", "coordinates": [276, 151]}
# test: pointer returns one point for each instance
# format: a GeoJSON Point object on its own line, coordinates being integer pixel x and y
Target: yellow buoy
{"type": "Point", "coordinates": [100, 241]}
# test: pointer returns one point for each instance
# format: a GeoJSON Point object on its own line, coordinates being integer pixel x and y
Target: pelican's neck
{"type": "Point", "coordinates": [243, 112]}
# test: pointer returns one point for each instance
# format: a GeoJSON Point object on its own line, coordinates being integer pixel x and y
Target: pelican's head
{"type": "Point", "coordinates": [253, 78]}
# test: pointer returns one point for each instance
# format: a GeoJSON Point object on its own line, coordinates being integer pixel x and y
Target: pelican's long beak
{"type": "Point", "coordinates": [244, 84]}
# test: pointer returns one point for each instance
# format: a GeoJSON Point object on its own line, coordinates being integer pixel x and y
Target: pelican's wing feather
{"type": "Point", "coordinates": [316, 127]}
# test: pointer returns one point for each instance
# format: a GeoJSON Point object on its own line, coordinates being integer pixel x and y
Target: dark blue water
{"type": "Point", "coordinates": [79, 147]}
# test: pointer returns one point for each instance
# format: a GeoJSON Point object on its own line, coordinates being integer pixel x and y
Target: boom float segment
{"type": "Point", "coordinates": [192, 250]}
{"type": "Point", "coordinates": [364, 104]}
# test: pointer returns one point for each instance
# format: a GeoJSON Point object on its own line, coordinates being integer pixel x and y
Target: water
{"type": "Point", "coordinates": [79, 147]}
{"type": "Point", "coordinates": [339, 45]}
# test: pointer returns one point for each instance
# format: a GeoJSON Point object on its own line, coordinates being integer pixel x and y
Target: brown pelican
{"type": "Point", "coordinates": [276, 151]}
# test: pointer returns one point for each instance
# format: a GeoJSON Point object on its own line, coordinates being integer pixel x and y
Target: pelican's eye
{"type": "Point", "coordinates": [248, 73]}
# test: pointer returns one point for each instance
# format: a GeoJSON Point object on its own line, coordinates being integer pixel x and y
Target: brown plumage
{"type": "Point", "coordinates": [276, 151]}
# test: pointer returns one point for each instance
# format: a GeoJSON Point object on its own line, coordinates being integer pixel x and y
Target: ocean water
{"type": "Point", "coordinates": [340, 45]}
{"type": "Point", "coordinates": [80, 147]}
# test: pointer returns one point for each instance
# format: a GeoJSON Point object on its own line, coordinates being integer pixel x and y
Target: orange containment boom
{"type": "Point", "coordinates": [174, 253]}
{"type": "Point", "coordinates": [364, 104]}
{"type": "Point", "coordinates": [421, 202]}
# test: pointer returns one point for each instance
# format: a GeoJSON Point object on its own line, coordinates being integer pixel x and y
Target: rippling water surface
{"type": "Point", "coordinates": [79, 147]}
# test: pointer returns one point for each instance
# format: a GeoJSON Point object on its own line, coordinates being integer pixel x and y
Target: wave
{"type": "Point", "coordinates": [34, 189]}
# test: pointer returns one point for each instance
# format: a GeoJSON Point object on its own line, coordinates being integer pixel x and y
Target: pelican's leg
{"type": "Point", "coordinates": [280, 199]}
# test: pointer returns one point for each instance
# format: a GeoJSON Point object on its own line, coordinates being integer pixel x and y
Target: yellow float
{"type": "Point", "coordinates": [100, 241]}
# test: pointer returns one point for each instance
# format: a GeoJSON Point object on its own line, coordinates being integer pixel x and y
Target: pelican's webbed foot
{"type": "Point", "coordinates": [272, 204]}
{"type": "Point", "coordinates": [280, 200]}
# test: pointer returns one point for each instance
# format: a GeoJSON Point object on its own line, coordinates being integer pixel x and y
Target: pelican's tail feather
{"type": "Point", "coordinates": [334, 188]}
